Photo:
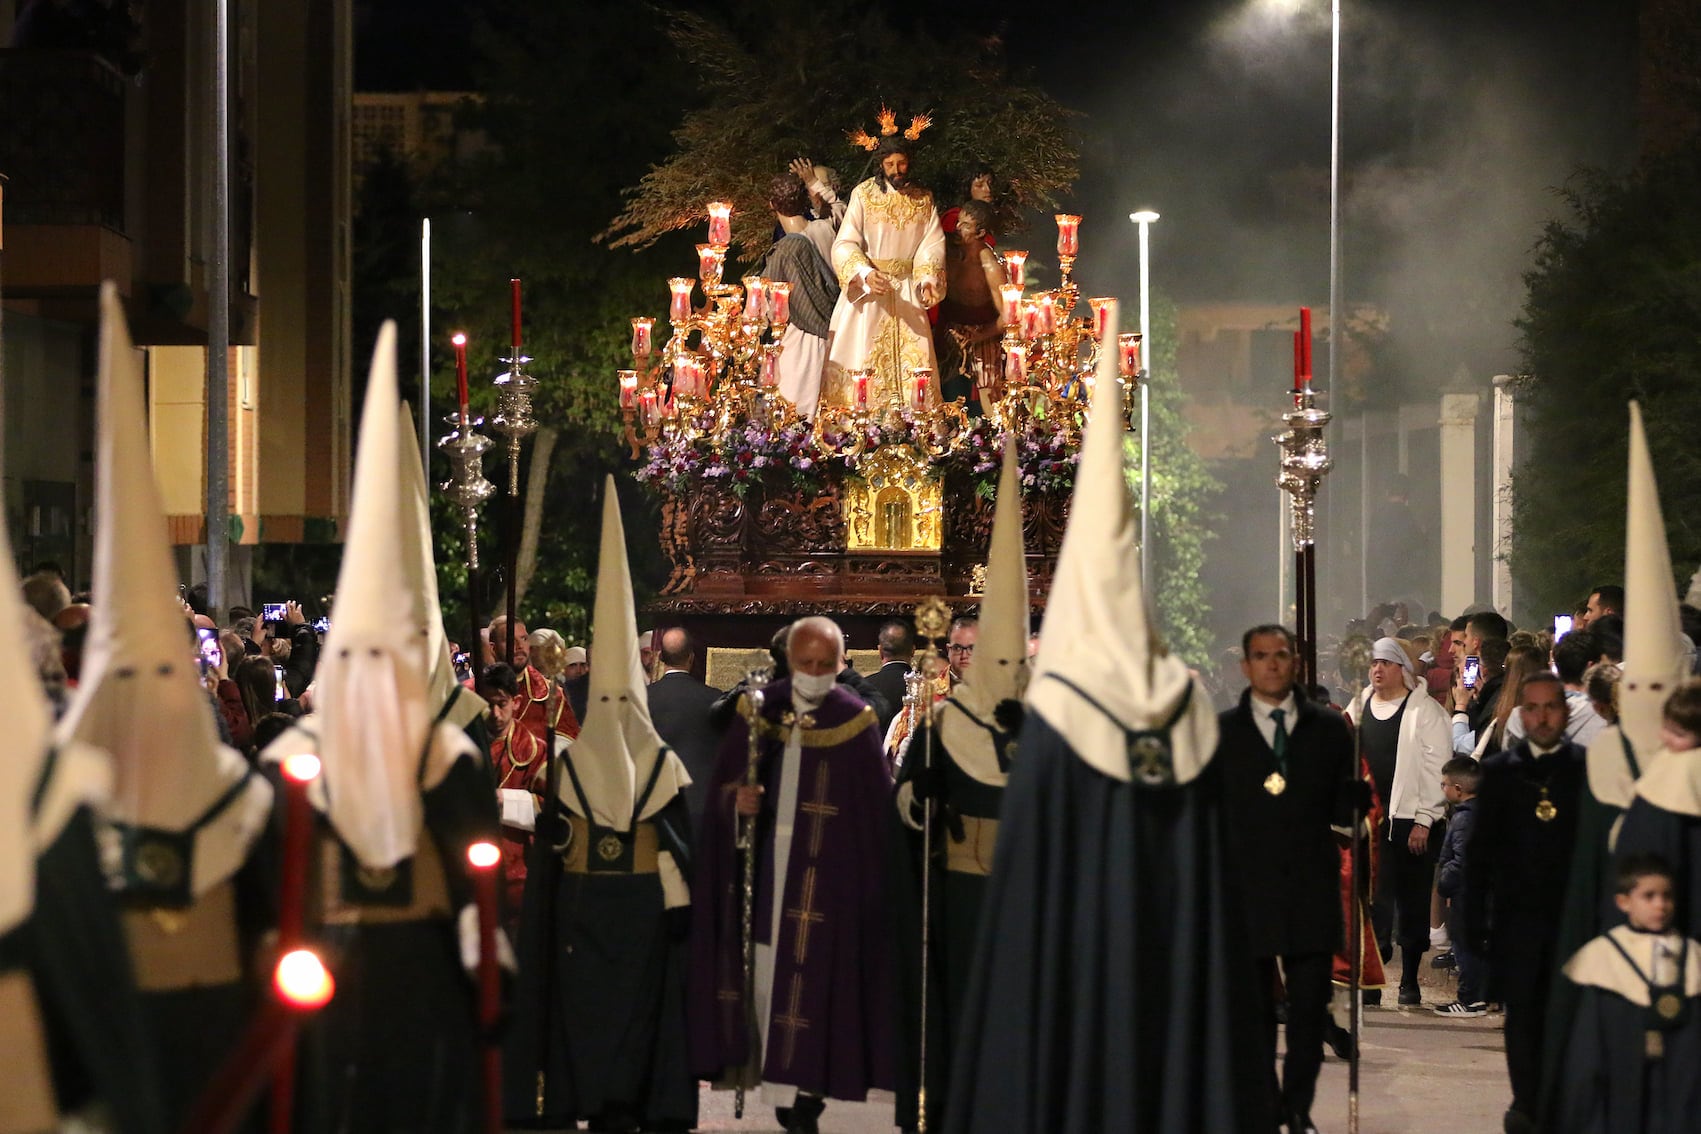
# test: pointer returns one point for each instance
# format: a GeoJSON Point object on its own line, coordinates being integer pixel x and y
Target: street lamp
{"type": "Point", "coordinates": [1145, 218]}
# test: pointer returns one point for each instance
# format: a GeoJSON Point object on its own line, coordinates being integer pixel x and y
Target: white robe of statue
{"type": "Point", "coordinates": [895, 231]}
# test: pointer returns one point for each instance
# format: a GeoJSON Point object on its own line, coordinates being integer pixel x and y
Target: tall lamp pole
{"type": "Point", "coordinates": [1145, 218]}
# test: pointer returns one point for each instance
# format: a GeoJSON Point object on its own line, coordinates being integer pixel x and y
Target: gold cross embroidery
{"type": "Point", "coordinates": [793, 1021]}
{"type": "Point", "coordinates": [805, 916]}
{"type": "Point", "coordinates": [818, 809]}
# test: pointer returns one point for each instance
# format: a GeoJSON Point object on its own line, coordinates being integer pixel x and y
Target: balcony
{"type": "Point", "coordinates": [62, 151]}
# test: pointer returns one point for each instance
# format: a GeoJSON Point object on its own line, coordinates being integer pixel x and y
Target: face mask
{"type": "Point", "coordinates": [812, 687]}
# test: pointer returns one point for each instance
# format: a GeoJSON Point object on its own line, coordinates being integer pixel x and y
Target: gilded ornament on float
{"type": "Point", "coordinates": [893, 503]}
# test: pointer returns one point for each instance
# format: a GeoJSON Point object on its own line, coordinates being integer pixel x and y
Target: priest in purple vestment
{"type": "Point", "coordinates": [819, 1020]}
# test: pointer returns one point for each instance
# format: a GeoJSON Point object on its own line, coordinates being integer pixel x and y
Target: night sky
{"type": "Point", "coordinates": [1459, 119]}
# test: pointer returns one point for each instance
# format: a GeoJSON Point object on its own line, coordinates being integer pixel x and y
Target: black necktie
{"type": "Point", "coordinates": [1280, 743]}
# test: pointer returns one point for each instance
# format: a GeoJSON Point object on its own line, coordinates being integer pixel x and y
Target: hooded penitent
{"type": "Point", "coordinates": [1655, 650]}
{"type": "Point", "coordinates": [1000, 672]}
{"type": "Point", "coordinates": [374, 708]}
{"type": "Point", "coordinates": [618, 746]}
{"type": "Point", "coordinates": [1102, 668]}
{"type": "Point", "coordinates": [140, 696]}
{"type": "Point", "coordinates": [458, 704]}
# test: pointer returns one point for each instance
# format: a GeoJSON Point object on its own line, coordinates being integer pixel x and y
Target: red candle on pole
{"type": "Point", "coordinates": [515, 284]}
{"type": "Point", "coordinates": [1305, 346]}
{"type": "Point", "coordinates": [460, 341]}
{"type": "Point", "coordinates": [483, 857]}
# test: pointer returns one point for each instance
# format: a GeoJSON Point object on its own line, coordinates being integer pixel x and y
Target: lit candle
{"type": "Point", "coordinates": [1101, 316]}
{"type": "Point", "coordinates": [1068, 234]}
{"type": "Point", "coordinates": [720, 222]}
{"type": "Point", "coordinates": [1016, 366]}
{"type": "Point", "coordinates": [779, 302]}
{"type": "Point", "coordinates": [1030, 319]}
{"type": "Point", "coordinates": [920, 377]}
{"type": "Point", "coordinates": [860, 377]}
{"type": "Point", "coordinates": [706, 266]}
{"type": "Point", "coordinates": [679, 305]}
{"type": "Point", "coordinates": [698, 371]}
{"type": "Point", "coordinates": [1305, 345]}
{"type": "Point", "coordinates": [641, 334]}
{"type": "Point", "coordinates": [1047, 313]}
{"type": "Point", "coordinates": [755, 294]}
{"type": "Point", "coordinates": [647, 406]}
{"type": "Point", "coordinates": [484, 857]}
{"type": "Point", "coordinates": [771, 364]}
{"type": "Point", "coordinates": [1128, 353]}
{"type": "Point", "coordinates": [1011, 295]}
{"type": "Point", "coordinates": [684, 376]}
{"type": "Point", "coordinates": [628, 389]}
{"type": "Point", "coordinates": [1015, 265]}
{"type": "Point", "coordinates": [460, 341]}
{"type": "Point", "coordinates": [514, 285]}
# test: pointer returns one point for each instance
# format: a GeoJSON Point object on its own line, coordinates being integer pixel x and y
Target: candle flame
{"type": "Point", "coordinates": [460, 338]}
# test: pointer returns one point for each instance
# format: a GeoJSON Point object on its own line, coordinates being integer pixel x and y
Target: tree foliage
{"type": "Point", "coordinates": [782, 80]}
{"type": "Point", "coordinates": [1613, 314]}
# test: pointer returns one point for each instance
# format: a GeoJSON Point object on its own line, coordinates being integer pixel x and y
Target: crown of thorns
{"type": "Point", "coordinates": [888, 127]}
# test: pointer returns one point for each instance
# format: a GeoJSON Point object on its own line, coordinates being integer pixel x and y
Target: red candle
{"type": "Point", "coordinates": [1015, 264]}
{"type": "Point", "coordinates": [299, 771]}
{"type": "Point", "coordinates": [628, 389]}
{"type": "Point", "coordinates": [515, 286]}
{"type": "Point", "coordinates": [647, 406]}
{"type": "Point", "coordinates": [1048, 313]}
{"type": "Point", "coordinates": [921, 375]}
{"type": "Point", "coordinates": [1101, 316]}
{"type": "Point", "coordinates": [1298, 362]}
{"type": "Point", "coordinates": [679, 300]}
{"type": "Point", "coordinates": [1030, 319]}
{"type": "Point", "coordinates": [1016, 366]}
{"type": "Point", "coordinates": [483, 857]}
{"type": "Point", "coordinates": [1068, 234]}
{"type": "Point", "coordinates": [642, 331]}
{"type": "Point", "coordinates": [1305, 345]}
{"type": "Point", "coordinates": [755, 291]}
{"type": "Point", "coordinates": [720, 222]}
{"type": "Point", "coordinates": [1011, 297]}
{"type": "Point", "coordinates": [1128, 350]}
{"type": "Point", "coordinates": [771, 364]}
{"type": "Point", "coordinates": [460, 341]}
{"type": "Point", "coordinates": [861, 379]}
{"type": "Point", "coordinates": [779, 303]}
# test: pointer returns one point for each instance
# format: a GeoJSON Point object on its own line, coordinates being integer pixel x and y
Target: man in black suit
{"type": "Point", "coordinates": [1287, 772]}
{"type": "Point", "coordinates": [897, 651]}
{"type": "Point", "coordinates": [1517, 864]}
{"type": "Point", "coordinates": [679, 708]}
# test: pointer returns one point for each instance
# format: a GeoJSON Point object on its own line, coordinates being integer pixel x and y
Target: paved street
{"type": "Point", "coordinates": [1420, 1072]}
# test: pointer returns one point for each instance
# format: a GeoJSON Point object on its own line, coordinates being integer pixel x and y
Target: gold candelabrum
{"type": "Point", "coordinates": [723, 357]}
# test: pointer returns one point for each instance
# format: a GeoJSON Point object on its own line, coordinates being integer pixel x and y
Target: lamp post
{"type": "Point", "coordinates": [1145, 218]}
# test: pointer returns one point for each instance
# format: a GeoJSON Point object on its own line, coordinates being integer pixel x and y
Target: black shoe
{"type": "Point", "coordinates": [1340, 1041]}
{"type": "Point", "coordinates": [1410, 994]}
{"type": "Point", "coordinates": [1372, 997]}
{"type": "Point", "coordinates": [1300, 1124]}
{"type": "Point", "coordinates": [801, 1119]}
{"type": "Point", "coordinates": [1444, 961]}
{"type": "Point", "coordinates": [1517, 1122]}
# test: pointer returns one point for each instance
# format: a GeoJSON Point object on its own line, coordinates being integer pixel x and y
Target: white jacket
{"type": "Point", "coordinates": [1426, 744]}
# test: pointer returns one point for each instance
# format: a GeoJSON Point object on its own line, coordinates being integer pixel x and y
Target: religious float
{"type": "Point", "coordinates": [884, 496]}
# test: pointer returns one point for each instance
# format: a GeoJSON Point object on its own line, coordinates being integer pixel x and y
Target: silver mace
{"type": "Point", "coordinates": [465, 447]}
{"type": "Point", "coordinates": [514, 418]}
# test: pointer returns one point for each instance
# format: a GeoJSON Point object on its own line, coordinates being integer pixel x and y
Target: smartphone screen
{"type": "Point", "coordinates": [1473, 670]}
{"type": "Point", "coordinates": [280, 692]}
{"type": "Point", "coordinates": [322, 625]}
{"type": "Point", "coordinates": [272, 611]}
{"type": "Point", "coordinates": [212, 654]}
{"type": "Point", "coordinates": [1561, 626]}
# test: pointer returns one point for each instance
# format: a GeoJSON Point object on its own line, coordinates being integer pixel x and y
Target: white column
{"type": "Point", "coordinates": [1458, 502]}
{"type": "Point", "coordinates": [1505, 455]}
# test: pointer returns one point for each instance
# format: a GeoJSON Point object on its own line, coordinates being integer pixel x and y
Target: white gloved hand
{"type": "Point", "coordinates": [467, 925]}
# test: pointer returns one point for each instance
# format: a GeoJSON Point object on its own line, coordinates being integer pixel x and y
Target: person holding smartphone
{"type": "Point", "coordinates": [1473, 705]}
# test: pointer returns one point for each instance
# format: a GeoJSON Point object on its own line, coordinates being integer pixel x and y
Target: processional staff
{"type": "Point", "coordinates": [932, 623]}
{"type": "Point", "coordinates": [1305, 461]}
{"type": "Point", "coordinates": [755, 683]}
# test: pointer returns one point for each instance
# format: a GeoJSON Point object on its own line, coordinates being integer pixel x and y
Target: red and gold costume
{"type": "Point", "coordinates": [538, 707]}
{"type": "Point", "coordinates": [1371, 976]}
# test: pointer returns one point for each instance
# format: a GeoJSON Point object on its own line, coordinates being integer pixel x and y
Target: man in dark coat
{"type": "Point", "coordinates": [1287, 773]}
{"type": "Point", "coordinates": [1516, 868]}
{"type": "Point", "coordinates": [679, 708]}
{"type": "Point", "coordinates": [897, 652]}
